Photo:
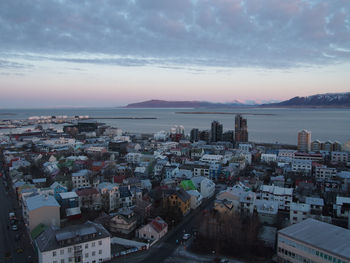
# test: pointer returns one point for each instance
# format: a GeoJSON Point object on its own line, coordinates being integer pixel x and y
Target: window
{"type": "Point", "coordinates": [100, 242]}
{"type": "Point", "coordinates": [93, 244]}
{"type": "Point", "coordinates": [93, 253]}
{"type": "Point", "coordinates": [100, 252]}
{"type": "Point", "coordinates": [86, 255]}
{"type": "Point", "coordinates": [86, 245]}
{"type": "Point", "coordinates": [69, 250]}
{"type": "Point", "coordinates": [70, 259]}
{"type": "Point", "coordinates": [61, 251]}
{"type": "Point", "coordinates": [54, 253]}
{"type": "Point", "coordinates": [62, 260]}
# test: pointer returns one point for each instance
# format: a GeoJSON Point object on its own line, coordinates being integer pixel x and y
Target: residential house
{"type": "Point", "coordinates": [89, 198]}
{"type": "Point", "coordinates": [299, 212]}
{"type": "Point", "coordinates": [154, 230]}
{"type": "Point", "coordinates": [178, 199]}
{"type": "Point", "coordinates": [124, 222]}
{"type": "Point", "coordinates": [195, 198]}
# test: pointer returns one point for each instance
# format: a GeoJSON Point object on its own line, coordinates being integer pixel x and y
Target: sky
{"type": "Point", "coordinates": [114, 52]}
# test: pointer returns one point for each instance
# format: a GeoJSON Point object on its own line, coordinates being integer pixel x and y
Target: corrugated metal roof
{"type": "Point", "coordinates": [333, 239]}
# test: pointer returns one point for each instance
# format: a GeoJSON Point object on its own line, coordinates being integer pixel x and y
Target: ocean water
{"type": "Point", "coordinates": [264, 125]}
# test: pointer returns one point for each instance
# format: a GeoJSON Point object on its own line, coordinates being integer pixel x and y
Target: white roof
{"type": "Point", "coordinates": [341, 200]}
{"type": "Point", "coordinates": [276, 190]}
{"type": "Point", "coordinates": [68, 195]}
{"type": "Point", "coordinates": [314, 201]}
{"type": "Point", "coordinates": [300, 207]}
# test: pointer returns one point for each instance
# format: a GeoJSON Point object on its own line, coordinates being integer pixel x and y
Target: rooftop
{"type": "Point", "coordinates": [53, 238]}
{"type": "Point", "coordinates": [37, 201]}
{"type": "Point", "coordinates": [327, 237]}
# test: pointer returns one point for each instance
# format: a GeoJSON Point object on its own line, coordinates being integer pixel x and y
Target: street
{"type": "Point", "coordinates": [12, 250]}
{"type": "Point", "coordinates": [166, 250]}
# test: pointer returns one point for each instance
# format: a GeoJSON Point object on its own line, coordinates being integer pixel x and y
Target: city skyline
{"type": "Point", "coordinates": [66, 54]}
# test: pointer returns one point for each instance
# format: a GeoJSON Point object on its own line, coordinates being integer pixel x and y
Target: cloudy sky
{"type": "Point", "coordinates": [113, 52]}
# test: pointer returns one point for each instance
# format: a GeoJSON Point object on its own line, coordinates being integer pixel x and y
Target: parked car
{"type": "Point", "coordinates": [14, 227]}
{"type": "Point", "coordinates": [186, 236]}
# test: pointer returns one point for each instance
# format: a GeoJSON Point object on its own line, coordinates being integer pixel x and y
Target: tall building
{"type": "Point", "coordinates": [216, 131]}
{"type": "Point", "coordinates": [228, 136]}
{"type": "Point", "coordinates": [304, 141]}
{"type": "Point", "coordinates": [194, 135]}
{"type": "Point", "coordinates": [241, 129]}
{"type": "Point", "coordinates": [204, 135]}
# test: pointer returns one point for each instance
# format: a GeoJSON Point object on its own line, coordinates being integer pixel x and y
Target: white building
{"type": "Point", "coordinates": [342, 206]}
{"type": "Point", "coordinates": [267, 211]}
{"type": "Point", "coordinates": [205, 186]}
{"type": "Point", "coordinates": [268, 157]}
{"type": "Point", "coordinates": [245, 147]}
{"type": "Point", "coordinates": [299, 212]}
{"type": "Point", "coordinates": [212, 158]}
{"type": "Point", "coordinates": [80, 179]}
{"type": "Point", "coordinates": [340, 157]}
{"type": "Point", "coordinates": [313, 241]}
{"type": "Point", "coordinates": [303, 166]}
{"type": "Point", "coordinates": [109, 195]}
{"type": "Point", "coordinates": [325, 173]}
{"type": "Point", "coordinates": [88, 242]}
{"type": "Point", "coordinates": [196, 198]}
{"type": "Point", "coordinates": [274, 193]}
{"type": "Point", "coordinates": [133, 158]}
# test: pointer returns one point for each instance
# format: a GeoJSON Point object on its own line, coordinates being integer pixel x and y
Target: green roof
{"type": "Point", "coordinates": [187, 185]}
{"type": "Point", "coordinates": [37, 231]}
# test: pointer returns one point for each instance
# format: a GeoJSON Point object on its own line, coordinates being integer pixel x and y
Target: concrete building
{"type": "Point", "coordinates": [323, 173]}
{"type": "Point", "coordinates": [313, 241]}
{"type": "Point", "coordinates": [283, 196]}
{"type": "Point", "coordinates": [241, 129]}
{"type": "Point", "coordinates": [216, 131]}
{"type": "Point", "coordinates": [299, 212]}
{"type": "Point", "coordinates": [267, 211]}
{"type": "Point", "coordinates": [302, 166]}
{"type": "Point", "coordinates": [109, 196]}
{"type": "Point", "coordinates": [342, 206]}
{"type": "Point", "coordinates": [304, 141]}
{"type": "Point", "coordinates": [88, 242]}
{"type": "Point", "coordinates": [268, 157]}
{"type": "Point", "coordinates": [196, 198]}
{"type": "Point", "coordinates": [205, 186]}
{"type": "Point", "coordinates": [40, 209]}
{"type": "Point", "coordinates": [81, 179]}
{"type": "Point", "coordinates": [340, 157]}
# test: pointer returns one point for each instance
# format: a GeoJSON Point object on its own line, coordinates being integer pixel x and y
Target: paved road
{"type": "Point", "coordinates": [8, 243]}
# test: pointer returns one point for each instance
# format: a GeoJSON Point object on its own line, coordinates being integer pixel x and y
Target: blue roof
{"type": "Point", "coordinates": [37, 201]}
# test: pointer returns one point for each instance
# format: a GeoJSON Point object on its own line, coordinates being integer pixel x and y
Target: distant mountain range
{"type": "Point", "coordinates": [335, 100]}
{"type": "Point", "coordinates": [182, 104]}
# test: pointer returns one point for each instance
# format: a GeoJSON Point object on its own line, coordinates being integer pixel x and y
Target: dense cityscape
{"type": "Point", "coordinates": [175, 131]}
{"type": "Point", "coordinates": [92, 193]}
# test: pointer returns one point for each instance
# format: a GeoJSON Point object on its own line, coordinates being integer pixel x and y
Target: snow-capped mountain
{"type": "Point", "coordinates": [319, 100]}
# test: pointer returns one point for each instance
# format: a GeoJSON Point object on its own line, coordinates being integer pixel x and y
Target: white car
{"type": "Point", "coordinates": [186, 236]}
{"type": "Point", "coordinates": [14, 227]}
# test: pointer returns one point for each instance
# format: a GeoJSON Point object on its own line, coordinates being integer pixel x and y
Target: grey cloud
{"type": "Point", "coordinates": [221, 33]}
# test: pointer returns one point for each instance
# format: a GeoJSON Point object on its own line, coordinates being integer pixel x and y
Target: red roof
{"type": "Point", "coordinates": [86, 191]}
{"type": "Point", "coordinates": [158, 224]}
{"type": "Point", "coordinates": [118, 179]}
